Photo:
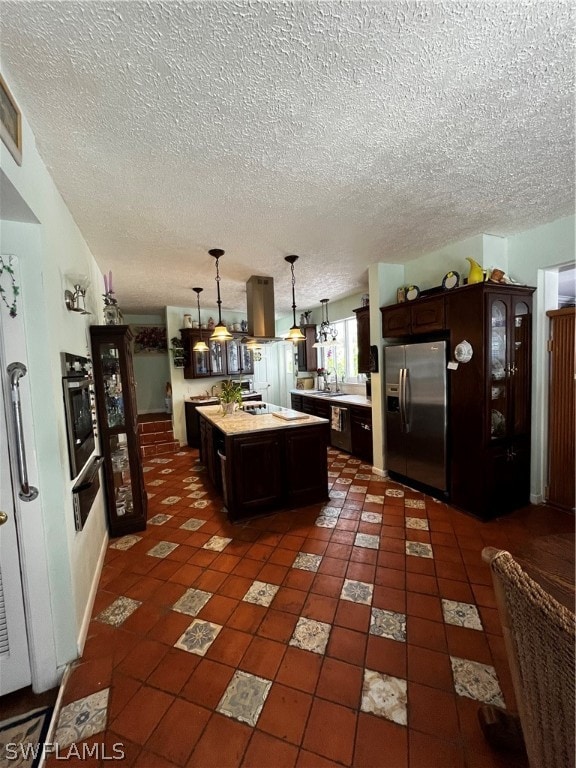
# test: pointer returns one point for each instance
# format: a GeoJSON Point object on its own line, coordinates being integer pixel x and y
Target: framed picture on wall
{"type": "Point", "coordinates": [149, 339]}
{"type": "Point", "coordinates": [10, 122]}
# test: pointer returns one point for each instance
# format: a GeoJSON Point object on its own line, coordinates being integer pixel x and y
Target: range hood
{"type": "Point", "coordinates": [260, 306]}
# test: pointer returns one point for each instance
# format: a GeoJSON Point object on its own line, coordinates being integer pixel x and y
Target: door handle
{"type": "Point", "coordinates": [3, 518]}
{"type": "Point", "coordinates": [404, 398]}
{"type": "Point", "coordinates": [27, 492]}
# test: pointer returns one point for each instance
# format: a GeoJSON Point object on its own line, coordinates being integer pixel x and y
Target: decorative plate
{"type": "Point", "coordinates": [498, 424]}
{"type": "Point", "coordinates": [463, 352]}
{"type": "Point", "coordinates": [450, 280]}
{"type": "Point", "coordinates": [412, 292]}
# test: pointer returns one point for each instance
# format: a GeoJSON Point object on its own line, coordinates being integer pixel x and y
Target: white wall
{"type": "Point", "coordinates": [48, 251]}
{"type": "Point", "coordinates": [151, 371]}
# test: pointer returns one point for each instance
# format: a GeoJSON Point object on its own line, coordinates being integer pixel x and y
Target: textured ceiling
{"type": "Point", "coordinates": [345, 132]}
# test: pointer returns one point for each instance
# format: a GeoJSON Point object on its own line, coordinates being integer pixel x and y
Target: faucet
{"type": "Point", "coordinates": [213, 389]}
{"type": "Point", "coordinates": [337, 388]}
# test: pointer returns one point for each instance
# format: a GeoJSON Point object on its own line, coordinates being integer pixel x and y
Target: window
{"type": "Point", "coordinates": [343, 358]}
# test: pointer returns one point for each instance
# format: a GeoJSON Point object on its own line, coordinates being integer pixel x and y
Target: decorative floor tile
{"type": "Point", "coordinates": [385, 696]}
{"type": "Point", "coordinates": [311, 635]}
{"type": "Point", "coordinates": [360, 476]}
{"type": "Point", "coordinates": [349, 471]}
{"type": "Point", "coordinates": [198, 637]}
{"type": "Point", "coordinates": [171, 500]}
{"type": "Point", "coordinates": [160, 461]}
{"type": "Point", "coordinates": [326, 522]}
{"type": "Point", "coordinates": [367, 541]}
{"type": "Point", "coordinates": [156, 482]}
{"type": "Point", "coordinates": [476, 681]}
{"type": "Point", "coordinates": [118, 611]}
{"type": "Point", "coordinates": [162, 549]}
{"type": "Point", "coordinates": [388, 624]}
{"type": "Point", "coordinates": [196, 494]}
{"type": "Point", "coordinates": [461, 614]}
{"type": "Point", "coordinates": [261, 593]}
{"type": "Point", "coordinates": [200, 504]}
{"type": "Point", "coordinates": [357, 592]}
{"type": "Point", "coordinates": [418, 523]}
{"type": "Point", "coordinates": [368, 467]}
{"type": "Point", "coordinates": [333, 474]}
{"type": "Point", "coordinates": [358, 488]}
{"type": "Point", "coordinates": [192, 479]}
{"type": "Point", "coordinates": [192, 601]}
{"type": "Point", "coordinates": [371, 517]}
{"type": "Point", "coordinates": [395, 492]}
{"type": "Point", "coordinates": [147, 469]}
{"type": "Point", "coordinates": [374, 499]}
{"type": "Point", "coordinates": [193, 524]}
{"type": "Point", "coordinates": [418, 549]}
{"type": "Point", "coordinates": [338, 464]}
{"type": "Point", "coordinates": [337, 494]}
{"type": "Point", "coordinates": [415, 503]}
{"type": "Point", "coordinates": [150, 495]}
{"type": "Point", "coordinates": [166, 471]}
{"type": "Point", "coordinates": [125, 542]}
{"type": "Point", "coordinates": [181, 453]}
{"type": "Point", "coordinates": [328, 511]}
{"type": "Point", "coordinates": [307, 562]}
{"type": "Point", "coordinates": [244, 698]}
{"type": "Point", "coordinates": [82, 718]}
{"type": "Point", "coordinates": [216, 543]}
{"type": "Point", "coordinates": [159, 519]}
{"type": "Point", "coordinates": [344, 481]}
{"type": "Point", "coordinates": [354, 461]}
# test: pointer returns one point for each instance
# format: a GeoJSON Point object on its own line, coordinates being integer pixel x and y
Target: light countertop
{"type": "Point", "coordinates": [344, 399]}
{"type": "Point", "coordinates": [239, 423]}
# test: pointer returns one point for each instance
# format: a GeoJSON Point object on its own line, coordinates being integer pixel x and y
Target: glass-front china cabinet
{"type": "Point", "coordinates": [126, 499]}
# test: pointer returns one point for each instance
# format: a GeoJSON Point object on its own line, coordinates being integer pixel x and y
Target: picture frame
{"type": "Point", "coordinates": [401, 295]}
{"type": "Point", "coordinates": [150, 339]}
{"type": "Point", "coordinates": [10, 122]}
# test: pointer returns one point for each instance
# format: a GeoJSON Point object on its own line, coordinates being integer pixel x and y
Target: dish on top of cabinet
{"type": "Point", "coordinates": [412, 292]}
{"type": "Point", "coordinates": [451, 280]}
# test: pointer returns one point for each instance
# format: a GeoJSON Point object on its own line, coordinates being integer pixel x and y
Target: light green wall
{"type": "Point", "coordinates": [151, 372]}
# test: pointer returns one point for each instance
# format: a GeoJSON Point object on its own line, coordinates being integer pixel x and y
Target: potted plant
{"type": "Point", "coordinates": [177, 350]}
{"type": "Point", "coordinates": [230, 396]}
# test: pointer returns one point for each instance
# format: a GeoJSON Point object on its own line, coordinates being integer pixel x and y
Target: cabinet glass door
{"type": "Point", "coordinates": [520, 368]}
{"type": "Point", "coordinates": [246, 359]}
{"type": "Point", "coordinates": [114, 403]}
{"type": "Point", "coordinates": [201, 363]}
{"type": "Point", "coordinates": [233, 356]}
{"type": "Point", "coordinates": [217, 357]}
{"type": "Point", "coordinates": [121, 476]}
{"type": "Point", "coordinates": [497, 366]}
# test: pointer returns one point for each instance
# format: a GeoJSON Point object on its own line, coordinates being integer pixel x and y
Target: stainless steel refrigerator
{"type": "Point", "coordinates": [416, 412]}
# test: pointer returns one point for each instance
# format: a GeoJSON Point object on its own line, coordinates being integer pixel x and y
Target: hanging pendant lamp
{"type": "Point", "coordinates": [327, 333]}
{"type": "Point", "coordinates": [220, 332]}
{"type": "Point", "coordinates": [200, 345]}
{"type": "Point", "coordinates": [294, 334]}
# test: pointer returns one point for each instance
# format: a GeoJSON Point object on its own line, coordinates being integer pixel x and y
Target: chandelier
{"type": "Point", "coordinates": [327, 334]}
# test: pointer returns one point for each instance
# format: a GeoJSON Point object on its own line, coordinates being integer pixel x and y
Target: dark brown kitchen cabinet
{"type": "Point", "coordinates": [365, 363]}
{"type": "Point", "coordinates": [193, 422]}
{"type": "Point", "coordinates": [307, 356]}
{"type": "Point", "coordinates": [114, 386]}
{"type": "Point", "coordinates": [490, 398]}
{"type": "Point", "coordinates": [260, 483]}
{"type": "Point", "coordinates": [223, 358]}
{"type": "Point", "coordinates": [421, 316]}
{"type": "Point", "coordinates": [296, 402]}
{"type": "Point", "coordinates": [307, 470]}
{"type": "Point", "coordinates": [361, 427]}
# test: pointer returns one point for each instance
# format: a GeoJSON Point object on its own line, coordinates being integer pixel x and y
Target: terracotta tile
{"type": "Point", "coordinates": [259, 552]}
{"type": "Point", "coordinates": [218, 609]}
{"type": "Point", "coordinates": [320, 608]}
{"type": "Point", "coordinates": [273, 574]}
{"type": "Point", "coordinates": [265, 750]}
{"type": "Point", "coordinates": [263, 657]}
{"type": "Point", "coordinates": [426, 750]}
{"type": "Point", "coordinates": [247, 617]}
{"type": "Point", "coordinates": [340, 682]}
{"type": "Point", "coordinates": [479, 574]}
{"type": "Point", "coordinates": [222, 745]}
{"type": "Point", "coordinates": [330, 731]}
{"type": "Point", "coordinates": [353, 616]}
{"type": "Point", "coordinates": [430, 668]}
{"type": "Point", "coordinates": [225, 562]}
{"type": "Point", "coordinates": [111, 742]}
{"type": "Point", "coordinates": [210, 580]}
{"type": "Point", "coordinates": [298, 579]}
{"type": "Point", "coordinates": [417, 582]}
{"type": "Point", "coordinates": [377, 737]}
{"type": "Point", "coordinates": [174, 670]}
{"type": "Point", "coordinates": [484, 596]}
{"type": "Point", "coordinates": [235, 586]}
{"type": "Point", "coordinates": [282, 556]}
{"type": "Point", "coordinates": [455, 571]}
{"type": "Point", "coordinates": [277, 625]}
{"type": "Point", "coordinates": [391, 599]}
{"type": "Point", "coordinates": [477, 752]}
{"type": "Point", "coordinates": [432, 711]}
{"type": "Point", "coordinates": [394, 560]}
{"type": "Point", "coordinates": [169, 627]}
{"type": "Point", "coordinates": [207, 683]}
{"type": "Point", "coordinates": [143, 658]}
{"type": "Point", "coordinates": [391, 545]}
{"type": "Point", "coordinates": [315, 546]}
{"type": "Point", "coordinates": [490, 618]}
{"type": "Point", "coordinates": [300, 669]}
{"type": "Point", "coordinates": [170, 739]}
{"type": "Point", "coordinates": [386, 655]}
{"type": "Point", "coordinates": [248, 568]}
{"type": "Point", "coordinates": [147, 707]}
{"type": "Point", "coordinates": [164, 570]}
{"type": "Point", "coordinates": [340, 551]}
{"type": "Point", "coordinates": [166, 595]}
{"type": "Point", "coordinates": [310, 760]}
{"type": "Point", "coordinates": [88, 677]}
{"type": "Point", "coordinates": [290, 541]}
{"type": "Point", "coordinates": [289, 600]}
{"type": "Point", "coordinates": [346, 644]}
{"type": "Point", "coordinates": [450, 554]}
{"type": "Point", "coordinates": [333, 566]}
{"type": "Point", "coordinates": [390, 577]}
{"type": "Point", "coordinates": [185, 574]}
{"type": "Point", "coordinates": [122, 690]}
{"type": "Point", "coordinates": [285, 713]}
{"type": "Point", "coordinates": [421, 565]}
{"type": "Point", "coordinates": [424, 606]}
{"type": "Point", "coordinates": [229, 646]}
{"type": "Point", "coordinates": [455, 590]}
{"type": "Point", "coordinates": [143, 587]}
{"type": "Point", "coordinates": [331, 586]}
{"type": "Point", "coordinates": [426, 633]}
{"type": "Point", "coordinates": [144, 618]}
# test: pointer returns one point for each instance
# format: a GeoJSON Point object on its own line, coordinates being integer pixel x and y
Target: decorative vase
{"type": "Point", "coordinates": [476, 275]}
{"type": "Point", "coordinates": [228, 408]}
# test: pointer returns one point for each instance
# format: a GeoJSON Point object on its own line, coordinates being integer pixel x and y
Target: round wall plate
{"type": "Point", "coordinates": [463, 352]}
{"type": "Point", "coordinates": [412, 292]}
{"type": "Point", "coordinates": [451, 280]}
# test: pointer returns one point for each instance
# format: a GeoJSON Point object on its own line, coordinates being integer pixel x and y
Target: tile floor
{"type": "Point", "coordinates": [359, 632]}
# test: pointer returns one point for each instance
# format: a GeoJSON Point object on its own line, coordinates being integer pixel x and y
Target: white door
{"type": "Point", "coordinates": [14, 652]}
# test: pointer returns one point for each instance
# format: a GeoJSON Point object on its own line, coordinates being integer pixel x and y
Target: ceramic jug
{"type": "Point", "coordinates": [476, 275]}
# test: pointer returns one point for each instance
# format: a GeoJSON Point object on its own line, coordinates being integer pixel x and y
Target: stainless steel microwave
{"type": "Point", "coordinates": [244, 384]}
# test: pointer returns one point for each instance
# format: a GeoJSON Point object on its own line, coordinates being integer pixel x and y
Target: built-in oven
{"type": "Point", "coordinates": [77, 390]}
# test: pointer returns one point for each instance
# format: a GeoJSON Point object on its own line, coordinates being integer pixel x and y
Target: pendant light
{"type": "Point", "coordinates": [220, 332]}
{"type": "Point", "coordinates": [294, 334]}
{"type": "Point", "coordinates": [200, 345]}
{"type": "Point", "coordinates": [327, 333]}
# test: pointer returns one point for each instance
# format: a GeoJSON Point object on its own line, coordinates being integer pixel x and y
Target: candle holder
{"type": "Point", "coordinates": [112, 314]}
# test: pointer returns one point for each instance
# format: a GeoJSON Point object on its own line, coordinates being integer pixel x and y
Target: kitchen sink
{"type": "Point", "coordinates": [203, 399]}
{"type": "Point", "coordinates": [330, 394]}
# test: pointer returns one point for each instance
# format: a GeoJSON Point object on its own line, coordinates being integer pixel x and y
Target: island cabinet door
{"type": "Point", "coordinates": [255, 474]}
{"type": "Point", "coordinates": [306, 465]}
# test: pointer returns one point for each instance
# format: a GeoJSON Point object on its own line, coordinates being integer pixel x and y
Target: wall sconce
{"type": "Point", "coordinates": [200, 345]}
{"type": "Point", "coordinates": [294, 334]}
{"type": "Point", "coordinates": [76, 300]}
{"type": "Point", "coordinates": [220, 332]}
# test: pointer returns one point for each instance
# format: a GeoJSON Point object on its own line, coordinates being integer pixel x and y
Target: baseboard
{"type": "Point", "coordinates": [82, 635]}
{"type": "Point", "coordinates": [536, 498]}
{"type": "Point", "coordinates": [380, 472]}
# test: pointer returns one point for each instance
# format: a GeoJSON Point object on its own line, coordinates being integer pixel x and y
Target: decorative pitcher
{"type": "Point", "coordinates": [476, 274]}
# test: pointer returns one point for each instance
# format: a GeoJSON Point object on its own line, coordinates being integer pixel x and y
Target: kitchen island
{"type": "Point", "coordinates": [268, 459]}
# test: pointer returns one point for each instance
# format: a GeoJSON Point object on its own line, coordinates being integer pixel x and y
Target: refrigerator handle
{"type": "Point", "coordinates": [404, 400]}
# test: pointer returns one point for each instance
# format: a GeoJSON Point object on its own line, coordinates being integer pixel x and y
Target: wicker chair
{"type": "Point", "coordinates": [539, 634]}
